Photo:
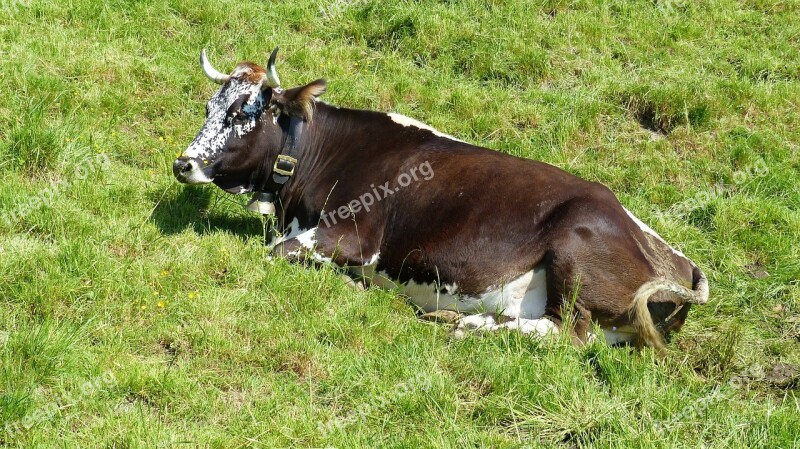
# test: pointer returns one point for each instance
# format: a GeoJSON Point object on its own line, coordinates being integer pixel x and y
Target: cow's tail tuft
{"type": "Point", "coordinates": [699, 286]}
{"type": "Point", "coordinates": [643, 321]}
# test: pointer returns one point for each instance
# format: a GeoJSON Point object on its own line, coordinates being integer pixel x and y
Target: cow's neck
{"type": "Point", "coordinates": [278, 167]}
{"type": "Point", "coordinates": [323, 149]}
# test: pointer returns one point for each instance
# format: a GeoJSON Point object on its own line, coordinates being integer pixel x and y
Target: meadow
{"type": "Point", "coordinates": [139, 313]}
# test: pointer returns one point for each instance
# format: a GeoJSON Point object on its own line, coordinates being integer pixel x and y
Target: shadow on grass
{"type": "Point", "coordinates": [203, 211]}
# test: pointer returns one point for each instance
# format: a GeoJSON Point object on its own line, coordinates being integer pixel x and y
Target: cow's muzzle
{"type": "Point", "coordinates": [190, 170]}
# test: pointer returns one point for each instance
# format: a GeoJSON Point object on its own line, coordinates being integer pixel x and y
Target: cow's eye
{"type": "Point", "coordinates": [239, 117]}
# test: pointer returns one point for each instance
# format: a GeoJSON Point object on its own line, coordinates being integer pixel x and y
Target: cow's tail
{"type": "Point", "coordinates": [643, 322]}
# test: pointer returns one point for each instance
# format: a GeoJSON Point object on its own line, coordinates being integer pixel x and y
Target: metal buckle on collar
{"type": "Point", "coordinates": [284, 165]}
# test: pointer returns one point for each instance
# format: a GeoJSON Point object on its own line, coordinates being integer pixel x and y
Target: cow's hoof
{"type": "Point", "coordinates": [441, 316]}
{"type": "Point", "coordinates": [484, 322]}
{"type": "Point", "coordinates": [473, 323]}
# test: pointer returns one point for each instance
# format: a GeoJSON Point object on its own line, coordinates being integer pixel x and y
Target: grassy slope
{"type": "Point", "coordinates": [248, 353]}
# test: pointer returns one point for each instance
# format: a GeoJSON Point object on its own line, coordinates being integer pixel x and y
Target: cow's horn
{"type": "Point", "coordinates": [212, 73]}
{"type": "Point", "coordinates": [272, 74]}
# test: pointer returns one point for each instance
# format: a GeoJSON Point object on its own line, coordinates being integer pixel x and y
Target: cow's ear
{"type": "Point", "coordinates": [299, 101]}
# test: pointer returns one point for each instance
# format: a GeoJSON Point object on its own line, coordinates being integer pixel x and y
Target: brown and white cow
{"type": "Point", "coordinates": [512, 243]}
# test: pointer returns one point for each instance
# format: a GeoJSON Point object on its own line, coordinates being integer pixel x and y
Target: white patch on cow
{"type": "Point", "coordinates": [450, 289]}
{"type": "Point", "coordinates": [488, 322]}
{"type": "Point", "coordinates": [524, 297]}
{"type": "Point", "coordinates": [319, 257]}
{"type": "Point", "coordinates": [649, 230]}
{"type": "Point", "coordinates": [216, 131]}
{"type": "Point", "coordinates": [408, 121]}
{"type": "Point", "coordinates": [307, 239]}
{"type": "Point", "coordinates": [292, 231]}
{"type": "Point", "coordinates": [373, 261]}
{"type": "Point", "coordinates": [521, 302]}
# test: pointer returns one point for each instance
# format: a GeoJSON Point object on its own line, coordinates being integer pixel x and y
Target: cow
{"type": "Point", "coordinates": [504, 242]}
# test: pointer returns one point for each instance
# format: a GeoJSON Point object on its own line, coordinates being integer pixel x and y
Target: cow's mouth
{"type": "Point", "coordinates": [235, 189]}
{"type": "Point", "coordinates": [190, 170]}
{"type": "Point", "coordinates": [231, 184]}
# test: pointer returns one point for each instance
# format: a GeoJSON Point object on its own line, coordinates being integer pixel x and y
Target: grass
{"type": "Point", "coordinates": [139, 313]}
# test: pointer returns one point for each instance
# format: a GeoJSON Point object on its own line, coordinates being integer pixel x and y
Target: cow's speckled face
{"type": "Point", "coordinates": [234, 116]}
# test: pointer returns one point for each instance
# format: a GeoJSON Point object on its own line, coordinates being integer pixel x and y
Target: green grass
{"type": "Point", "coordinates": [139, 313]}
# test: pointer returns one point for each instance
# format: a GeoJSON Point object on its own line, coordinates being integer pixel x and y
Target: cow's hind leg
{"type": "Point", "coordinates": [594, 269]}
{"type": "Point", "coordinates": [565, 305]}
{"type": "Point", "coordinates": [481, 322]}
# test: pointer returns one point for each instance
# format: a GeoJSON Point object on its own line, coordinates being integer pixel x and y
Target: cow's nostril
{"type": "Point", "coordinates": [187, 167]}
{"type": "Point", "coordinates": [180, 165]}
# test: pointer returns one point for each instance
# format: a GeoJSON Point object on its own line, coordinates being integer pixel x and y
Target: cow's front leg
{"type": "Point", "coordinates": [297, 251]}
{"type": "Point", "coordinates": [540, 327]}
{"type": "Point", "coordinates": [300, 245]}
{"type": "Point", "coordinates": [292, 250]}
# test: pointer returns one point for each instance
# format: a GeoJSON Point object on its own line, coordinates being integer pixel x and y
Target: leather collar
{"type": "Point", "coordinates": [286, 162]}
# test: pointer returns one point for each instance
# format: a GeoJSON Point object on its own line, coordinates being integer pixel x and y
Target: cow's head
{"type": "Point", "coordinates": [241, 131]}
